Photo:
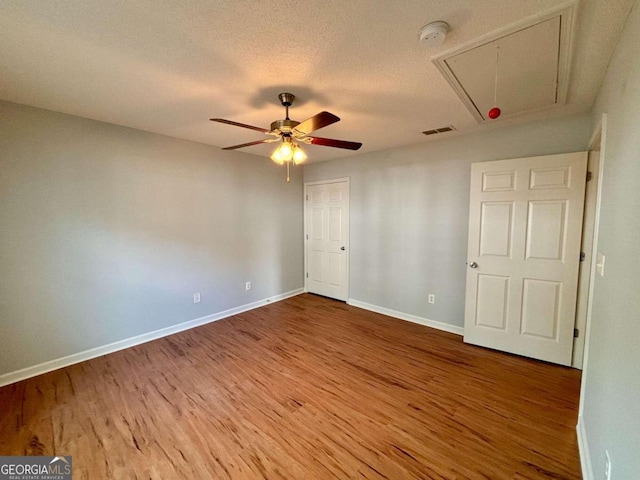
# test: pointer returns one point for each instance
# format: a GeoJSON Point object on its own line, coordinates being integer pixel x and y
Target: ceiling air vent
{"type": "Point", "coordinates": [435, 131]}
{"type": "Point", "coordinates": [529, 61]}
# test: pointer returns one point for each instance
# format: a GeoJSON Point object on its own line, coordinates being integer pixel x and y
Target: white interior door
{"type": "Point", "coordinates": [525, 224]}
{"type": "Point", "coordinates": [327, 238]}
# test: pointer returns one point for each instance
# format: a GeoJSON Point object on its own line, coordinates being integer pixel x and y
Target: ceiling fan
{"type": "Point", "coordinates": [289, 132]}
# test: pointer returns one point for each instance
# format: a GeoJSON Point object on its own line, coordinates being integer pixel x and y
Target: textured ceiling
{"type": "Point", "coordinates": [168, 66]}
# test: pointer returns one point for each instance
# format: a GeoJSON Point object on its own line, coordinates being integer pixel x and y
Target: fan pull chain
{"type": "Point", "coordinates": [495, 91]}
{"type": "Point", "coordinates": [288, 177]}
{"type": "Point", "coordinates": [495, 110]}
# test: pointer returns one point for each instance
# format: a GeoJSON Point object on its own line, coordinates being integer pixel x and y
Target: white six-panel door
{"type": "Point", "coordinates": [525, 224]}
{"type": "Point", "coordinates": [327, 238]}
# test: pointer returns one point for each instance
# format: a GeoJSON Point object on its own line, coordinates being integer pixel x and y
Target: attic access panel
{"type": "Point", "coordinates": [533, 68]}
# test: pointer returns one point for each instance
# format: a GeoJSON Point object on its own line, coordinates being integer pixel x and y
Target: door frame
{"type": "Point", "coordinates": [597, 142]}
{"type": "Point", "coordinates": [592, 206]}
{"type": "Point", "coordinates": [305, 197]}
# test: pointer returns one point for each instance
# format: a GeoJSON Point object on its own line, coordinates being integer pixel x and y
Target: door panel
{"type": "Point", "coordinates": [496, 222]}
{"type": "Point", "coordinates": [546, 230]}
{"type": "Point", "coordinates": [327, 236]}
{"type": "Point", "coordinates": [498, 181]}
{"type": "Point", "coordinates": [556, 177]}
{"type": "Point", "coordinates": [493, 292]}
{"type": "Point", "coordinates": [540, 302]}
{"type": "Point", "coordinates": [315, 266]}
{"type": "Point", "coordinates": [335, 269]}
{"type": "Point", "coordinates": [317, 224]}
{"type": "Point", "coordinates": [525, 222]}
{"type": "Point", "coordinates": [335, 224]}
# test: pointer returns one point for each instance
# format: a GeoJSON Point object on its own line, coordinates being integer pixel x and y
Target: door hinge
{"type": "Point", "coordinates": [582, 255]}
{"type": "Point", "coordinates": [307, 237]}
{"type": "Point", "coordinates": [307, 198]}
{"type": "Point", "coordinates": [576, 333]}
{"type": "Point", "coordinates": [589, 176]}
{"type": "Point", "coordinates": [307, 274]}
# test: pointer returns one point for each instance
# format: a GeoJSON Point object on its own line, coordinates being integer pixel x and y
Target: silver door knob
{"type": "Point", "coordinates": [342, 248]}
{"type": "Point", "coordinates": [473, 265]}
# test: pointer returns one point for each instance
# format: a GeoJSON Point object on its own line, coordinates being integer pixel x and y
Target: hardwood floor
{"type": "Point", "coordinates": [307, 388]}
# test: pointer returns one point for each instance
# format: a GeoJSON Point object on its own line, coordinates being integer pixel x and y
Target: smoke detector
{"type": "Point", "coordinates": [433, 34]}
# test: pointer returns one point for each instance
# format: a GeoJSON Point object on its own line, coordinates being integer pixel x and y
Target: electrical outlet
{"type": "Point", "coordinates": [247, 286]}
{"type": "Point", "coordinates": [431, 298]}
{"type": "Point", "coordinates": [196, 298]}
{"type": "Point", "coordinates": [607, 466]}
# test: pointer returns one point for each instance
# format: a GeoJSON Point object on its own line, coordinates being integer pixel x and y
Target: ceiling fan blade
{"type": "Point", "coordinates": [316, 122]}
{"type": "Point", "coordinates": [266, 140]}
{"type": "Point", "coordinates": [243, 125]}
{"type": "Point", "coordinates": [330, 142]}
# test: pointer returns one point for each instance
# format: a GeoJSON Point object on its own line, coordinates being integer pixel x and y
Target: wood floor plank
{"type": "Point", "coordinates": [305, 388]}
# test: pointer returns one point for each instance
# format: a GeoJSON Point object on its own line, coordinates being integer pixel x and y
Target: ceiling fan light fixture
{"type": "Point", "coordinates": [284, 152]}
{"type": "Point", "coordinates": [275, 156]}
{"type": "Point", "coordinates": [298, 155]}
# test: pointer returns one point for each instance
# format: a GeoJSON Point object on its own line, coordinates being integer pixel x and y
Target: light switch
{"type": "Point", "coordinates": [600, 264]}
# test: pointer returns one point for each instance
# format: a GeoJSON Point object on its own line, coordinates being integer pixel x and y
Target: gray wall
{"type": "Point", "coordinates": [611, 395]}
{"type": "Point", "coordinates": [106, 232]}
{"type": "Point", "coordinates": [409, 212]}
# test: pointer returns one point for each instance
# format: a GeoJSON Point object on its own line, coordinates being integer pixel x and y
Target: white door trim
{"type": "Point", "coordinates": [589, 219]}
{"type": "Point", "coordinates": [598, 141]}
{"type": "Point", "coordinates": [304, 233]}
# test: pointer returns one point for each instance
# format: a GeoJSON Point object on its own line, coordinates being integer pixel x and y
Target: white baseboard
{"type": "Point", "coordinates": [51, 365]}
{"type": "Point", "coordinates": [583, 448]}
{"type": "Point", "coordinates": [408, 317]}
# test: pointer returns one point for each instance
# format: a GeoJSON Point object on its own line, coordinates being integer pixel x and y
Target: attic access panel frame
{"type": "Point", "coordinates": [567, 15]}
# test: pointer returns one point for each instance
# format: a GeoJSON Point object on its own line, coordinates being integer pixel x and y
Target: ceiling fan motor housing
{"type": "Point", "coordinates": [286, 99]}
{"type": "Point", "coordinates": [284, 126]}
